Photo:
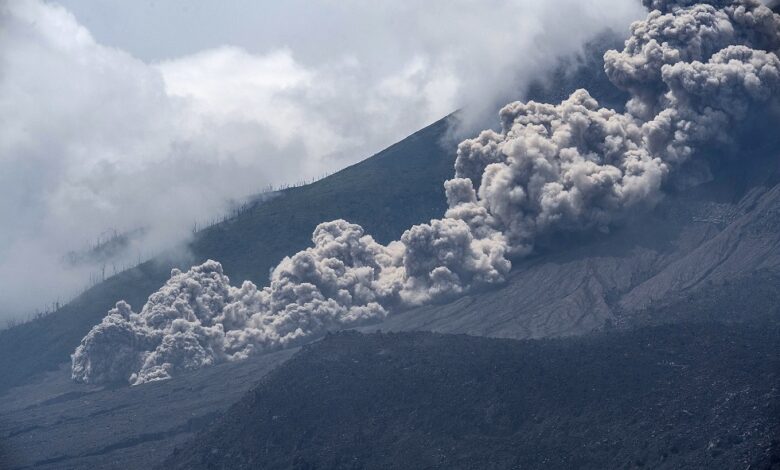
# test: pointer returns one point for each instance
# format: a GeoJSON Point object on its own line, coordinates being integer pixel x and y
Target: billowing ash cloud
{"type": "Point", "coordinates": [694, 71]}
{"type": "Point", "coordinates": [197, 318]}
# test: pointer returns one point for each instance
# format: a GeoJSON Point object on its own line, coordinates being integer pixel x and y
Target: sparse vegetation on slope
{"type": "Point", "coordinates": [386, 194]}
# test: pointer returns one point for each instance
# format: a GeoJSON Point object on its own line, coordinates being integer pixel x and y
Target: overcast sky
{"type": "Point", "coordinates": [121, 114]}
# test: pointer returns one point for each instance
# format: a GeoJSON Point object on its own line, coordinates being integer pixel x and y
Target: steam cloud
{"type": "Point", "coordinates": [694, 70]}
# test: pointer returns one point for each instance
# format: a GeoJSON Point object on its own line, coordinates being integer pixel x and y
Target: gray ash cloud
{"type": "Point", "coordinates": [694, 71]}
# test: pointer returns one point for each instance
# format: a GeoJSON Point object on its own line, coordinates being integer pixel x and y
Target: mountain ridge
{"type": "Point", "coordinates": [589, 283]}
{"type": "Point", "coordinates": [249, 246]}
{"type": "Point", "coordinates": [409, 173]}
{"type": "Point", "coordinates": [573, 285]}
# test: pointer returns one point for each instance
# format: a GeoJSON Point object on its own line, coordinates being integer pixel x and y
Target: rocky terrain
{"type": "Point", "coordinates": [708, 254]}
{"type": "Point", "coordinates": [666, 268]}
{"type": "Point", "coordinates": [682, 396]}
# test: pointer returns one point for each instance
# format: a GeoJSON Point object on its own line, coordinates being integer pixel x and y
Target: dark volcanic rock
{"type": "Point", "coordinates": [683, 396]}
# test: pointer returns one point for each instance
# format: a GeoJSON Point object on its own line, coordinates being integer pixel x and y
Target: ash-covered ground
{"type": "Point", "coordinates": [674, 396]}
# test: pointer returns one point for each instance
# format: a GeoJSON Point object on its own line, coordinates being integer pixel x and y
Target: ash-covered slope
{"type": "Point", "coordinates": [684, 396]}
{"type": "Point", "coordinates": [55, 424]}
{"type": "Point", "coordinates": [719, 241]}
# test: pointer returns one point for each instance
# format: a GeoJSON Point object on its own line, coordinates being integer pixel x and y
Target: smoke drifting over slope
{"type": "Point", "coordinates": [202, 104]}
{"type": "Point", "coordinates": [694, 71]}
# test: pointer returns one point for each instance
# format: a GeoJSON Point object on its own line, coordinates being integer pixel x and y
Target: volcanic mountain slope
{"type": "Point", "coordinates": [683, 396]}
{"type": "Point", "coordinates": [720, 240]}
{"type": "Point", "coordinates": [553, 172]}
{"type": "Point", "coordinates": [703, 253]}
{"type": "Point", "coordinates": [54, 423]}
{"type": "Point", "coordinates": [386, 194]}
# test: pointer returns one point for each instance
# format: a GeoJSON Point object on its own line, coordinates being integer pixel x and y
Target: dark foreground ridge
{"type": "Point", "coordinates": [675, 396]}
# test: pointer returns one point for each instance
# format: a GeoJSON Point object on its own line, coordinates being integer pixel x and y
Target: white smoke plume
{"type": "Point", "coordinates": [694, 71]}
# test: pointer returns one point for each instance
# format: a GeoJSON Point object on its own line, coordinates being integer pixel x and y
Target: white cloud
{"type": "Point", "coordinates": [92, 138]}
